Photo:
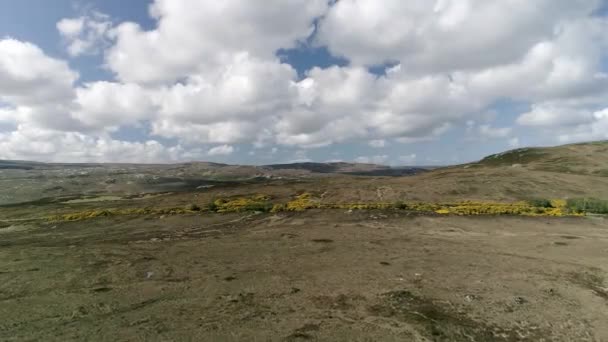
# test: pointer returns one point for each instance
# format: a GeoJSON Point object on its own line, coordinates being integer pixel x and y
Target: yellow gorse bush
{"type": "Point", "coordinates": [301, 203]}
{"type": "Point", "coordinates": [239, 204]}
{"type": "Point", "coordinates": [483, 208]}
{"type": "Point", "coordinates": [307, 201]}
{"type": "Point", "coordinates": [89, 214]}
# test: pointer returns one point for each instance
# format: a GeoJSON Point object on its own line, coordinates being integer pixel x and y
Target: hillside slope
{"type": "Point", "coordinates": [582, 159]}
{"type": "Point", "coordinates": [568, 171]}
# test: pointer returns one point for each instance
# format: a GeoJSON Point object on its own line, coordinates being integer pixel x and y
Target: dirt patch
{"type": "Point", "coordinates": [341, 302]}
{"type": "Point", "coordinates": [591, 281]}
{"type": "Point", "coordinates": [322, 240]}
{"type": "Point", "coordinates": [441, 323]}
{"type": "Point", "coordinates": [304, 333]}
{"type": "Point", "coordinates": [388, 280]}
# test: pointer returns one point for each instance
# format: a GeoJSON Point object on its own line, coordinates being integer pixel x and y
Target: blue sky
{"type": "Point", "coordinates": [423, 83]}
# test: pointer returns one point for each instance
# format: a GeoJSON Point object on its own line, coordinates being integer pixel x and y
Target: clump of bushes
{"type": "Point", "coordinates": [305, 201]}
{"type": "Point", "coordinates": [302, 202]}
{"type": "Point", "coordinates": [488, 208]}
{"type": "Point", "coordinates": [90, 214]}
{"type": "Point", "coordinates": [254, 203]}
{"type": "Point", "coordinates": [193, 207]}
{"type": "Point", "coordinates": [587, 205]}
{"type": "Point", "coordinates": [540, 203]}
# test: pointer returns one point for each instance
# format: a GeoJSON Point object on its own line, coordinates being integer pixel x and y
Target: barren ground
{"type": "Point", "coordinates": [317, 275]}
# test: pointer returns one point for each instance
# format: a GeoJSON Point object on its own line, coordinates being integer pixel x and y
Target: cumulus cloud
{"type": "Point", "coordinates": [379, 143]}
{"type": "Point", "coordinates": [85, 35]}
{"type": "Point", "coordinates": [377, 159]}
{"type": "Point", "coordinates": [109, 104]}
{"type": "Point", "coordinates": [444, 35]}
{"type": "Point", "coordinates": [222, 150]}
{"type": "Point", "coordinates": [207, 73]}
{"type": "Point", "coordinates": [490, 132]}
{"type": "Point", "coordinates": [555, 114]}
{"type": "Point", "coordinates": [594, 127]}
{"type": "Point", "coordinates": [199, 36]}
{"type": "Point", "coordinates": [53, 146]}
{"type": "Point", "coordinates": [28, 77]}
{"type": "Point", "coordinates": [244, 88]}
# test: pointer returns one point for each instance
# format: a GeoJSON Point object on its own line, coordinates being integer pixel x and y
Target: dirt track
{"type": "Point", "coordinates": [330, 276]}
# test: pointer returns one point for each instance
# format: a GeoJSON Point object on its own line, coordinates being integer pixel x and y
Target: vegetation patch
{"type": "Point", "coordinates": [306, 201]}
{"type": "Point", "coordinates": [240, 204]}
{"type": "Point", "coordinates": [587, 205]}
{"type": "Point", "coordinates": [90, 214]}
{"type": "Point", "coordinates": [601, 173]}
{"type": "Point", "coordinates": [483, 208]}
{"type": "Point", "coordinates": [440, 323]}
{"type": "Point", "coordinates": [518, 156]}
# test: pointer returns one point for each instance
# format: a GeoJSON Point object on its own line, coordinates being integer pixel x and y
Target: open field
{"type": "Point", "coordinates": [328, 275]}
{"type": "Point", "coordinates": [206, 252]}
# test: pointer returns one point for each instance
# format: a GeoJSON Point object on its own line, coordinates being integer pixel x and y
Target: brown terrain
{"type": "Point", "coordinates": [315, 275]}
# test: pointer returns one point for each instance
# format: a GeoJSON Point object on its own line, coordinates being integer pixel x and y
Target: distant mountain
{"type": "Point", "coordinates": [18, 165]}
{"type": "Point", "coordinates": [359, 169]}
{"type": "Point", "coordinates": [569, 171]}
{"type": "Point", "coordinates": [240, 170]}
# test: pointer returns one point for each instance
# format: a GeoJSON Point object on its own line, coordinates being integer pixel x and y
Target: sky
{"type": "Point", "coordinates": [417, 82]}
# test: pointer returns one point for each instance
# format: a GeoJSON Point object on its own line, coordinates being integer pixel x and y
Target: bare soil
{"type": "Point", "coordinates": [312, 276]}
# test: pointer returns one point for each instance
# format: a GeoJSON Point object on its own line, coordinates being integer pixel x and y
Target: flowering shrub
{"type": "Point", "coordinates": [302, 202]}
{"type": "Point", "coordinates": [306, 201]}
{"type": "Point", "coordinates": [89, 214]}
{"type": "Point", "coordinates": [253, 203]}
{"type": "Point", "coordinates": [486, 208]}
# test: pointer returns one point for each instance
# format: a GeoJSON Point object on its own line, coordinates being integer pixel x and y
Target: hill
{"type": "Point", "coordinates": [583, 159]}
{"type": "Point", "coordinates": [576, 170]}
{"type": "Point", "coordinates": [130, 247]}
{"type": "Point", "coordinates": [569, 171]}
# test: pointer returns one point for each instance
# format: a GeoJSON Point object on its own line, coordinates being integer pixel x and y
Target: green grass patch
{"type": "Point", "coordinates": [587, 205]}
{"type": "Point", "coordinates": [518, 156]}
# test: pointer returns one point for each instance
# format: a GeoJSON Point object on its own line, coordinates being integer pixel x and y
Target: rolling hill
{"type": "Point", "coordinates": [568, 171]}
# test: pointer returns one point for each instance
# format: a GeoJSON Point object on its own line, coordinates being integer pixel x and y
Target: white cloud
{"type": "Point", "coordinates": [28, 77]}
{"type": "Point", "coordinates": [556, 114]}
{"type": "Point", "coordinates": [594, 129]}
{"type": "Point", "coordinates": [379, 143]}
{"type": "Point", "coordinates": [245, 89]}
{"type": "Point", "coordinates": [378, 159]}
{"type": "Point", "coordinates": [208, 73]}
{"type": "Point", "coordinates": [70, 27]}
{"type": "Point", "coordinates": [222, 150]}
{"type": "Point", "coordinates": [212, 32]}
{"type": "Point", "coordinates": [300, 156]}
{"type": "Point", "coordinates": [48, 145]}
{"type": "Point", "coordinates": [408, 159]}
{"type": "Point", "coordinates": [487, 131]}
{"type": "Point", "coordinates": [86, 35]}
{"type": "Point", "coordinates": [514, 142]}
{"type": "Point", "coordinates": [444, 35]}
{"type": "Point", "coordinates": [227, 132]}
{"type": "Point", "coordinates": [108, 104]}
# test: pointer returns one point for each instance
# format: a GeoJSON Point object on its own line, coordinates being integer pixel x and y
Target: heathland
{"type": "Point", "coordinates": [510, 248]}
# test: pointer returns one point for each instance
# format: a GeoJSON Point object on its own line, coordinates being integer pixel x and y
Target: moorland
{"type": "Point", "coordinates": [509, 248]}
